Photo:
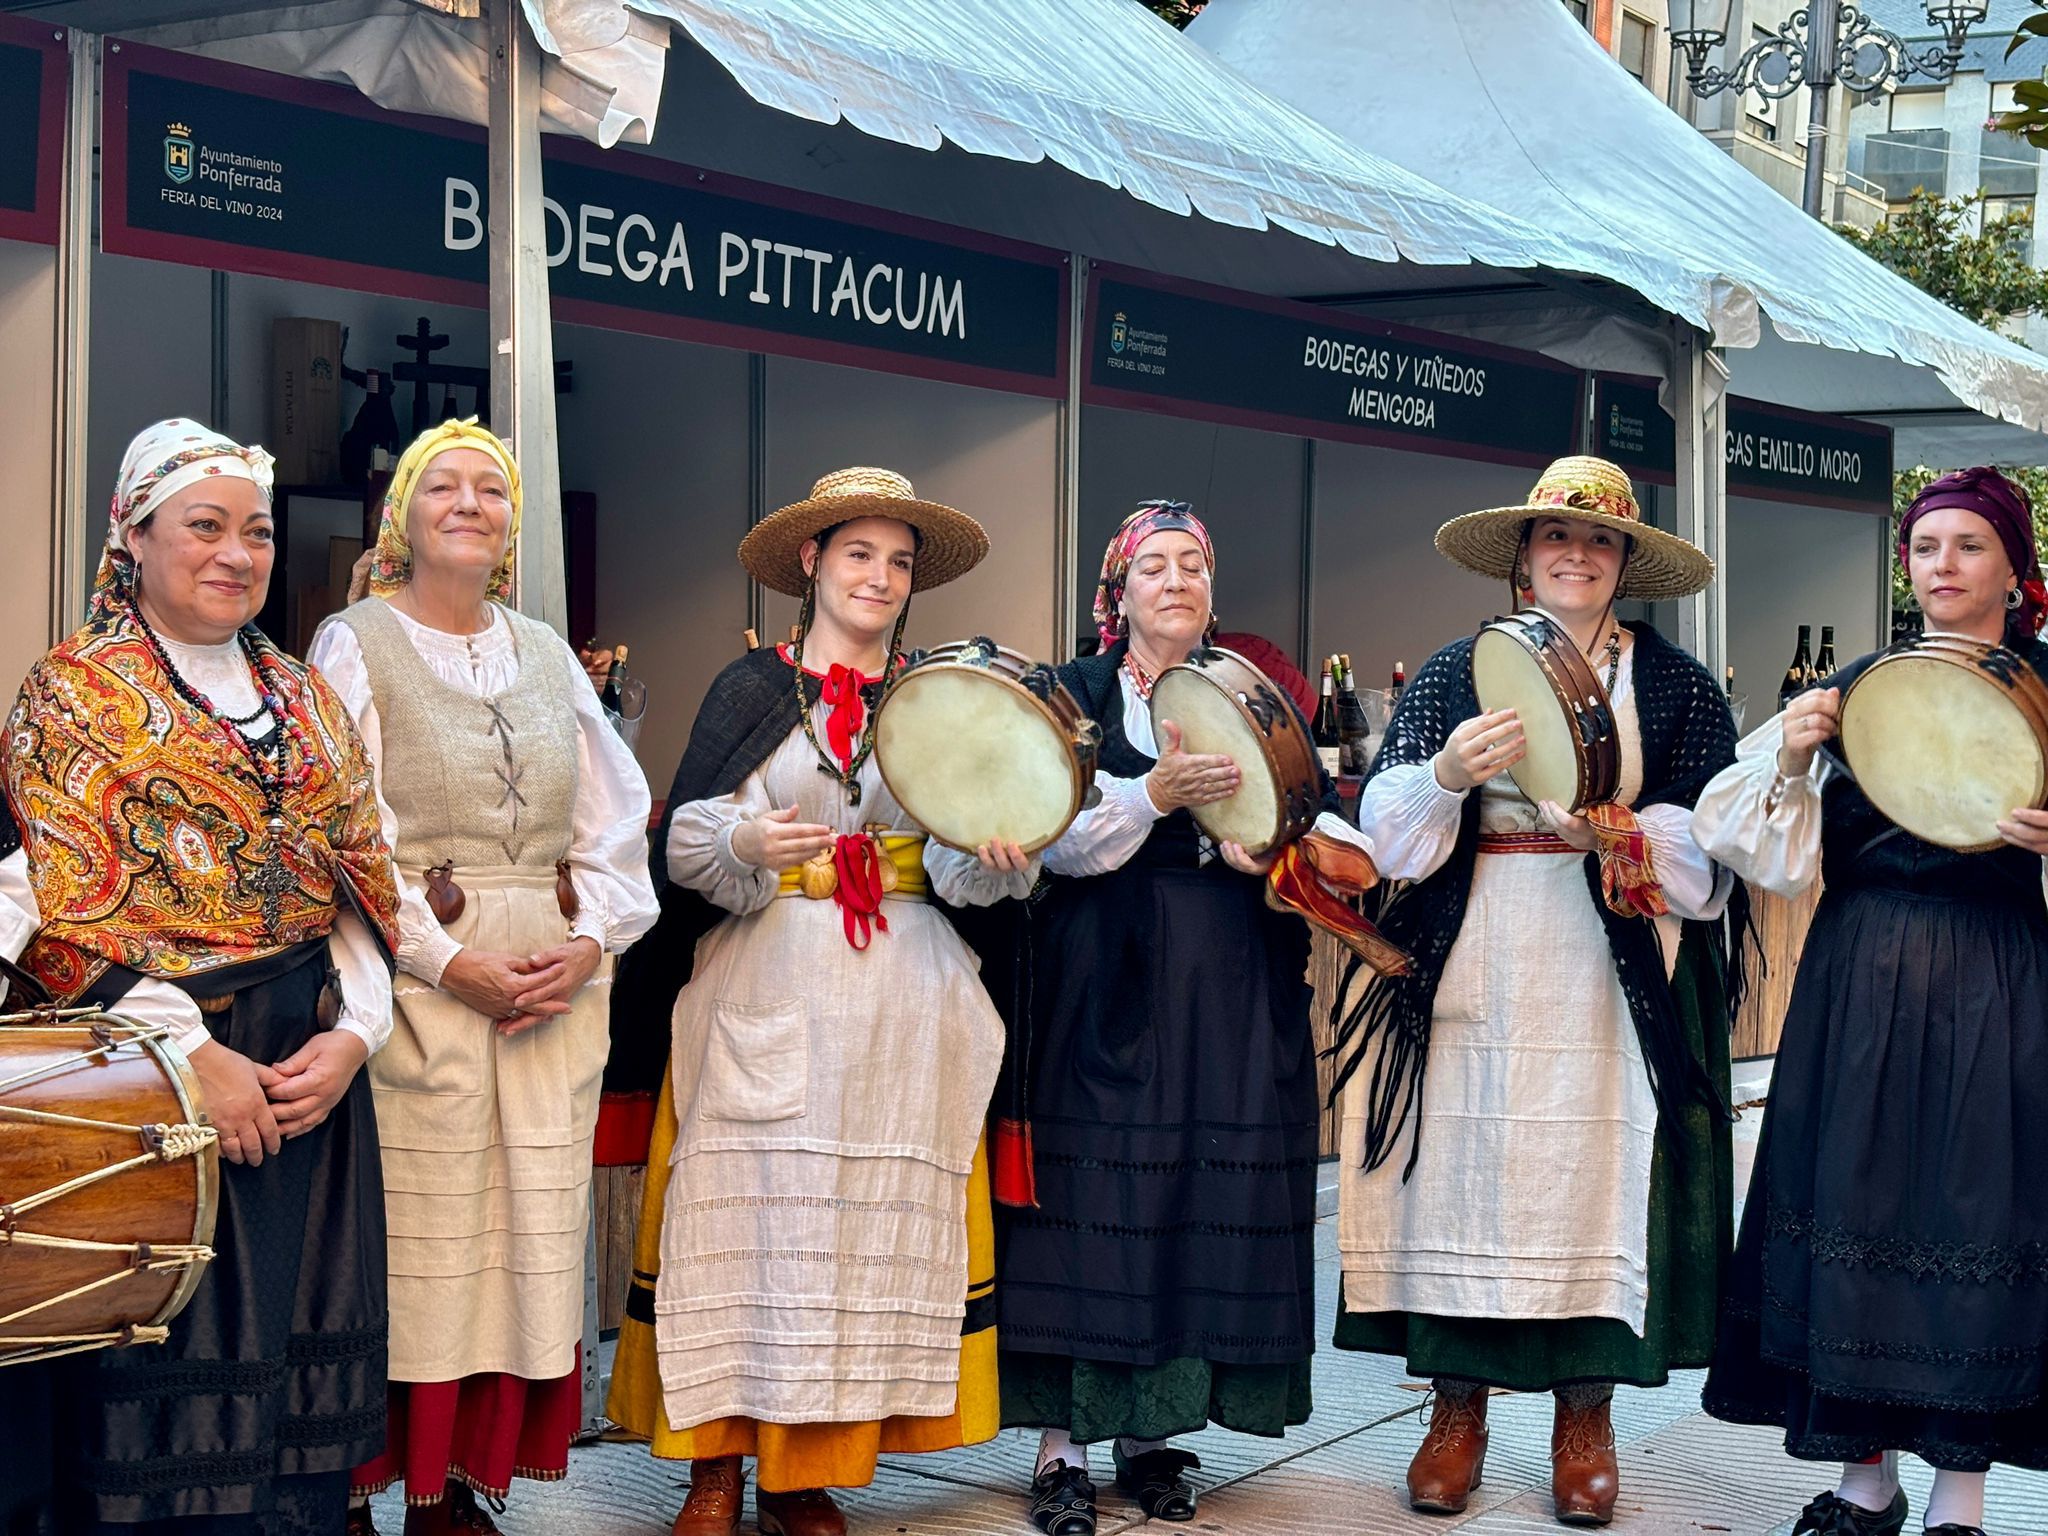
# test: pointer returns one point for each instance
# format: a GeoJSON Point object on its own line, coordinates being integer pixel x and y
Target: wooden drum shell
{"type": "Point", "coordinates": [137, 1079]}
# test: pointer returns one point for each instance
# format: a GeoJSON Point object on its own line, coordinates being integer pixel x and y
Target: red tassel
{"type": "Point", "coordinates": [1014, 1180]}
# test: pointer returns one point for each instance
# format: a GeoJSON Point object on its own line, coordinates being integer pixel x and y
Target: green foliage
{"type": "Point", "coordinates": [2029, 118]}
{"type": "Point", "coordinates": [1178, 12]}
{"type": "Point", "coordinates": [1908, 483]}
{"type": "Point", "coordinates": [1985, 274]}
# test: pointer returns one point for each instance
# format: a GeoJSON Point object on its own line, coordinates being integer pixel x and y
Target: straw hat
{"type": "Point", "coordinates": [953, 545]}
{"type": "Point", "coordinates": [1587, 490]}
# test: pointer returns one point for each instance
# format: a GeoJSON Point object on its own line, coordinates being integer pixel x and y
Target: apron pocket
{"type": "Point", "coordinates": [757, 1062]}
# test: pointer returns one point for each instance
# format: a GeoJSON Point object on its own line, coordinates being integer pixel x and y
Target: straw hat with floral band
{"type": "Point", "coordinates": [949, 544]}
{"type": "Point", "coordinates": [1659, 565]}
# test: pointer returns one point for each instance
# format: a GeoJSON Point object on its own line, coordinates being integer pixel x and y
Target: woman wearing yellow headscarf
{"type": "Point", "coordinates": [516, 817]}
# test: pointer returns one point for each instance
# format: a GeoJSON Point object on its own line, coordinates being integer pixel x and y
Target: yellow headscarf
{"type": "Point", "coordinates": [391, 562]}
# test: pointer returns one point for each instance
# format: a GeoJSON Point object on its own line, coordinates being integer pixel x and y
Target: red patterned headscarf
{"type": "Point", "coordinates": [2005, 507]}
{"type": "Point", "coordinates": [1151, 517]}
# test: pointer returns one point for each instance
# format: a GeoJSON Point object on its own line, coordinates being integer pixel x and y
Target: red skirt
{"type": "Point", "coordinates": [482, 1430]}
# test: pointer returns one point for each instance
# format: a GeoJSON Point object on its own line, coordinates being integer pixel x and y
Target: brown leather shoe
{"type": "Point", "coordinates": [1453, 1455]}
{"type": "Point", "coordinates": [1584, 1480]}
{"type": "Point", "coordinates": [359, 1522]}
{"type": "Point", "coordinates": [717, 1498]}
{"type": "Point", "coordinates": [807, 1512]}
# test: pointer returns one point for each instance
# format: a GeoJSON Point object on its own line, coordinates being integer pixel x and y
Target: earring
{"type": "Point", "coordinates": [2014, 599]}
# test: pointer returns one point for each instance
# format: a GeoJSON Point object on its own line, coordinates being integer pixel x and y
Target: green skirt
{"type": "Point", "coordinates": [1097, 1399]}
{"type": "Point", "coordinates": [1692, 1220]}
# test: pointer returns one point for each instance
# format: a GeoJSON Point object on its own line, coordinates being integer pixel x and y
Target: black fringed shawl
{"type": "Point", "coordinates": [749, 710]}
{"type": "Point", "coordinates": [1688, 736]}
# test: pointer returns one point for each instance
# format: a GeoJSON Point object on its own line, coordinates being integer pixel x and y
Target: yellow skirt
{"type": "Point", "coordinates": [793, 1456]}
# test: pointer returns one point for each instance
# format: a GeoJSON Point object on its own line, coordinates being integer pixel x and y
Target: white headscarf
{"type": "Point", "coordinates": [171, 455]}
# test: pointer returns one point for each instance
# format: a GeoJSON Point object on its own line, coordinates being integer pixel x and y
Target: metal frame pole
{"type": "Point", "coordinates": [1700, 499]}
{"type": "Point", "coordinates": [1822, 42]}
{"type": "Point", "coordinates": [522, 341]}
{"type": "Point", "coordinates": [69, 538]}
{"type": "Point", "coordinates": [1066, 530]}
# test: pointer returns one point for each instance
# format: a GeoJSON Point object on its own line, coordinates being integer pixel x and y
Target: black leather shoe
{"type": "Point", "coordinates": [1063, 1501]}
{"type": "Point", "coordinates": [1833, 1515]}
{"type": "Point", "coordinates": [1154, 1480]}
{"type": "Point", "coordinates": [1952, 1529]}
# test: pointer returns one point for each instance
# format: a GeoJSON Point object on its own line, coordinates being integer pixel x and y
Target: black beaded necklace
{"type": "Point", "coordinates": [266, 759]}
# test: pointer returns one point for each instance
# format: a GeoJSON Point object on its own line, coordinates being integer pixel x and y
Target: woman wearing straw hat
{"type": "Point", "coordinates": [814, 1273]}
{"type": "Point", "coordinates": [516, 817]}
{"type": "Point", "coordinates": [1557, 1221]}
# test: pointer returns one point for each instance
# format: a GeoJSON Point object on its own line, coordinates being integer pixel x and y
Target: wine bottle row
{"type": "Point", "coordinates": [1806, 669]}
{"type": "Point", "coordinates": [1342, 730]}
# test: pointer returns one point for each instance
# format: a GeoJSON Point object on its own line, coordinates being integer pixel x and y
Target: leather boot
{"type": "Point", "coordinates": [807, 1512]}
{"type": "Point", "coordinates": [717, 1498]}
{"type": "Point", "coordinates": [359, 1521]}
{"type": "Point", "coordinates": [1453, 1455]}
{"type": "Point", "coordinates": [1584, 1480]}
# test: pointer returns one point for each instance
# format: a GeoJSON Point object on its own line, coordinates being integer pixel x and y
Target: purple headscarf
{"type": "Point", "coordinates": [2004, 506]}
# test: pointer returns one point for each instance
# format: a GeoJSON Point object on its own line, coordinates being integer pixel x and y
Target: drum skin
{"type": "Point", "coordinates": [1223, 704]}
{"type": "Point", "coordinates": [139, 1082]}
{"type": "Point", "coordinates": [1529, 663]}
{"type": "Point", "coordinates": [978, 743]}
{"type": "Point", "coordinates": [1947, 736]}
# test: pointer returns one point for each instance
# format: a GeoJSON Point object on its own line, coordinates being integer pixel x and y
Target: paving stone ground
{"type": "Point", "coordinates": [1338, 1475]}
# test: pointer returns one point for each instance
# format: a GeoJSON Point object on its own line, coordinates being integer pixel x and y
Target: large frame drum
{"type": "Point", "coordinates": [1528, 662]}
{"type": "Point", "coordinates": [981, 744]}
{"type": "Point", "coordinates": [1948, 736]}
{"type": "Point", "coordinates": [109, 1183]}
{"type": "Point", "coordinates": [1224, 704]}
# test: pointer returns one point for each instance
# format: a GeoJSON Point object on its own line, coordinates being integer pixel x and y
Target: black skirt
{"type": "Point", "coordinates": [1173, 1107]}
{"type": "Point", "coordinates": [1890, 1286]}
{"type": "Point", "coordinates": [273, 1379]}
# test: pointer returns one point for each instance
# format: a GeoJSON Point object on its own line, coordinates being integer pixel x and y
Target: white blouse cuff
{"type": "Point", "coordinates": [730, 864]}
{"type": "Point", "coordinates": [361, 1031]}
{"type": "Point", "coordinates": [428, 954]}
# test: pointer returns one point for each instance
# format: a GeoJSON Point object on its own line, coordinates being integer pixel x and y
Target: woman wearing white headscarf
{"type": "Point", "coordinates": [203, 853]}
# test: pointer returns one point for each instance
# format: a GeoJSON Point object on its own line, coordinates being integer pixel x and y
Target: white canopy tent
{"type": "Point", "coordinates": [1455, 97]}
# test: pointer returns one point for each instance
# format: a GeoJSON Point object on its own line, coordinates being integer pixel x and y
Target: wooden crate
{"type": "Point", "coordinates": [615, 1197]}
{"type": "Point", "coordinates": [1781, 923]}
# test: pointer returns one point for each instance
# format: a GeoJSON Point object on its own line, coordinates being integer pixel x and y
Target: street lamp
{"type": "Point", "coordinates": [1816, 46]}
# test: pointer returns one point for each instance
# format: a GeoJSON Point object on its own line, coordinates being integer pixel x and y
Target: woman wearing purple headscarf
{"type": "Point", "coordinates": [1890, 1288]}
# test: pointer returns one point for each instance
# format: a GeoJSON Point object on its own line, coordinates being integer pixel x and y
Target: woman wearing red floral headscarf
{"type": "Point", "coordinates": [1890, 1287]}
{"type": "Point", "coordinates": [1164, 1278]}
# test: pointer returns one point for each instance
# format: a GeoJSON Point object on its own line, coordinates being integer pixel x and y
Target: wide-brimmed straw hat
{"type": "Point", "coordinates": [1587, 490]}
{"type": "Point", "coordinates": [952, 544]}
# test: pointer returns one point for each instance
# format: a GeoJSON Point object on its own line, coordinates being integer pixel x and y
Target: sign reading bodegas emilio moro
{"type": "Point", "coordinates": [1155, 344]}
{"type": "Point", "coordinates": [34, 83]}
{"type": "Point", "coordinates": [1773, 452]}
{"type": "Point", "coordinates": [211, 164]}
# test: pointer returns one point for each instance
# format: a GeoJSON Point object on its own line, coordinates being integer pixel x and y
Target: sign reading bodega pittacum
{"type": "Point", "coordinates": [1168, 346]}
{"type": "Point", "coordinates": [236, 168]}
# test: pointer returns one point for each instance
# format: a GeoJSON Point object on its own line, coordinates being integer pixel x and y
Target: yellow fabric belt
{"type": "Point", "coordinates": [903, 850]}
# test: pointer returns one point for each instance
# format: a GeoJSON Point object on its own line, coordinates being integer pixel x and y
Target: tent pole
{"type": "Point", "coordinates": [1701, 491]}
{"type": "Point", "coordinates": [1066, 533]}
{"type": "Point", "coordinates": [71, 542]}
{"type": "Point", "coordinates": [522, 343]}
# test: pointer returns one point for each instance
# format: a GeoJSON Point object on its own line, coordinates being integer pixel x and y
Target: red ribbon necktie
{"type": "Point", "coordinates": [859, 861]}
{"type": "Point", "coordinates": [849, 711]}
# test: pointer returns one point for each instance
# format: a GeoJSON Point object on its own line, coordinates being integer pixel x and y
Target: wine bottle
{"type": "Point", "coordinates": [1825, 665]}
{"type": "Point", "coordinates": [1352, 729]}
{"type": "Point", "coordinates": [613, 697]}
{"type": "Point", "coordinates": [1394, 688]}
{"type": "Point", "coordinates": [1798, 675]}
{"type": "Point", "coordinates": [1328, 745]}
{"type": "Point", "coordinates": [1730, 684]}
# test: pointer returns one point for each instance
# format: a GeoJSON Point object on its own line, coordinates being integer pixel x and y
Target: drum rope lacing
{"type": "Point", "coordinates": [162, 1143]}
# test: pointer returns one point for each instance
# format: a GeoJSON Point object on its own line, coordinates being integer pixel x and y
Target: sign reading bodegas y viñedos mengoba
{"type": "Point", "coordinates": [212, 164]}
{"type": "Point", "coordinates": [34, 85]}
{"type": "Point", "coordinates": [1155, 344]}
